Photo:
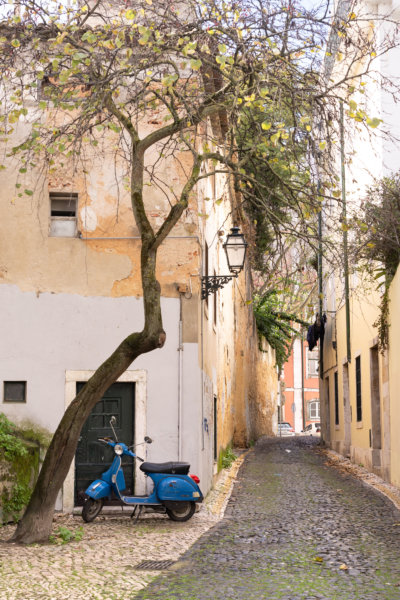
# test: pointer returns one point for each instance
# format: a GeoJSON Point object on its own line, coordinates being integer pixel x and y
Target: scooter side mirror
{"type": "Point", "coordinates": [113, 420]}
{"type": "Point", "coordinates": [148, 440]}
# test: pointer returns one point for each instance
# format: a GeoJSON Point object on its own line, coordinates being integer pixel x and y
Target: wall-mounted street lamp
{"type": "Point", "coordinates": [235, 250]}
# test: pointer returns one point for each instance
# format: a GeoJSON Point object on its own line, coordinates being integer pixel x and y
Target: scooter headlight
{"type": "Point", "coordinates": [118, 449]}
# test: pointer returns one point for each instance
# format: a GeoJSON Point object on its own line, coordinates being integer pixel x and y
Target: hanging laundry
{"type": "Point", "coordinates": [316, 332]}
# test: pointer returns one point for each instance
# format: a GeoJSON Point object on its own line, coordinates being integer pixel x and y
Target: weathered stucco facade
{"type": "Point", "coordinates": [359, 410]}
{"type": "Point", "coordinates": [68, 301]}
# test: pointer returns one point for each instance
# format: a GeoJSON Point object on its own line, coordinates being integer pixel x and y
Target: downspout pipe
{"type": "Point", "coordinates": [303, 415]}
{"type": "Point", "coordinates": [180, 377]}
{"type": "Point", "coordinates": [345, 240]}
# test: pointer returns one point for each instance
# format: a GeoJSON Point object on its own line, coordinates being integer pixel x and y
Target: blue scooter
{"type": "Point", "coordinates": [175, 491]}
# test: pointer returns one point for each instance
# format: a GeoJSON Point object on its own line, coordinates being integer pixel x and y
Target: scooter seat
{"type": "Point", "coordinates": [179, 468]}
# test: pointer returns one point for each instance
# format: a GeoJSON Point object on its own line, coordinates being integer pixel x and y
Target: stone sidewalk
{"type": "Point", "coordinates": [101, 566]}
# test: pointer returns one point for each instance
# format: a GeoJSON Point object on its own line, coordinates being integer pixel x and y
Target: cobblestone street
{"type": "Point", "coordinates": [102, 564]}
{"type": "Point", "coordinates": [296, 528]}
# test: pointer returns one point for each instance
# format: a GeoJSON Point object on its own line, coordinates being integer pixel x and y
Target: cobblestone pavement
{"type": "Point", "coordinates": [295, 528]}
{"type": "Point", "coordinates": [101, 566]}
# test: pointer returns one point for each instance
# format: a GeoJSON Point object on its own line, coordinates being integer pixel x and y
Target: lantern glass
{"type": "Point", "coordinates": [235, 249]}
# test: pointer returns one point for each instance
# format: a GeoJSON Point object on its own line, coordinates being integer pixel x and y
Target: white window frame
{"type": "Point", "coordinates": [312, 358]}
{"type": "Point", "coordinates": [63, 225]}
{"type": "Point", "coordinates": [317, 403]}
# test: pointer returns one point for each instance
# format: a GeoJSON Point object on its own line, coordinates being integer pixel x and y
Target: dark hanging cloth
{"type": "Point", "coordinates": [316, 332]}
{"type": "Point", "coordinates": [312, 342]}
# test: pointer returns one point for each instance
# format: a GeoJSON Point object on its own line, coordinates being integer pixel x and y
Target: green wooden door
{"type": "Point", "coordinates": [93, 457]}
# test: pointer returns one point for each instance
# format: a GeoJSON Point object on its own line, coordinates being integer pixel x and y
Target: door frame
{"type": "Point", "coordinates": [139, 378]}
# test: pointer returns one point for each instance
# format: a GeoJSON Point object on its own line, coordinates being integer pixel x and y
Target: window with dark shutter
{"type": "Point", "coordinates": [358, 389]}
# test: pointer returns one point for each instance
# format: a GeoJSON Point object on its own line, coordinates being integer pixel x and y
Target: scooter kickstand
{"type": "Point", "coordinates": [139, 512]}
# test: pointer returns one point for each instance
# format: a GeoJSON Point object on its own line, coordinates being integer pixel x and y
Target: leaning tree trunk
{"type": "Point", "coordinates": [35, 525]}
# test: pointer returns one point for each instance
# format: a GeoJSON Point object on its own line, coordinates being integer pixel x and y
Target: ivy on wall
{"type": "Point", "coordinates": [276, 326]}
{"type": "Point", "coordinates": [19, 467]}
{"type": "Point", "coordinates": [378, 246]}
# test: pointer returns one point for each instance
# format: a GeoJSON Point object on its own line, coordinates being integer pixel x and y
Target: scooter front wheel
{"type": "Point", "coordinates": [180, 511]}
{"type": "Point", "coordinates": [91, 509]}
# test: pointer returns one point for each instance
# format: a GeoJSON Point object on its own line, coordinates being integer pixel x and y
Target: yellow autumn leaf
{"type": "Point", "coordinates": [344, 567]}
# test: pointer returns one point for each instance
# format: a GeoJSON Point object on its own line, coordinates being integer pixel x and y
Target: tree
{"type": "Point", "coordinates": [101, 68]}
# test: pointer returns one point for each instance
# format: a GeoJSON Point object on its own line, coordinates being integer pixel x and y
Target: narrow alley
{"type": "Point", "coordinates": [294, 529]}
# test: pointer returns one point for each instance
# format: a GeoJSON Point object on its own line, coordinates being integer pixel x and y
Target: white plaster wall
{"type": "Point", "coordinates": [297, 384]}
{"type": "Point", "coordinates": [43, 336]}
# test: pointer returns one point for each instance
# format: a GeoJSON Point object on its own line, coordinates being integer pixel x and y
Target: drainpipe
{"type": "Point", "coordinates": [180, 378]}
{"type": "Point", "coordinates": [302, 382]}
{"type": "Point", "coordinates": [320, 284]}
{"type": "Point", "coordinates": [202, 371]}
{"type": "Point", "coordinates": [345, 242]}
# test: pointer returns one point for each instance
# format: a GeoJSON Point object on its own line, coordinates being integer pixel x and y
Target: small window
{"type": "Point", "coordinates": [313, 410]}
{"type": "Point", "coordinates": [312, 363]}
{"type": "Point", "coordinates": [63, 214]}
{"type": "Point", "coordinates": [14, 391]}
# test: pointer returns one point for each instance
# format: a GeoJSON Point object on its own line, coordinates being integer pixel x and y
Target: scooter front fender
{"type": "Point", "coordinates": [98, 489]}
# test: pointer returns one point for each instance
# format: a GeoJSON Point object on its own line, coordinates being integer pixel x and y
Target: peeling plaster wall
{"type": "Point", "coordinates": [241, 377]}
{"type": "Point", "coordinates": [68, 302]}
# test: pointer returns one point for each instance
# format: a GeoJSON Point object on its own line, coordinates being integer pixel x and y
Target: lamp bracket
{"type": "Point", "coordinates": [212, 283]}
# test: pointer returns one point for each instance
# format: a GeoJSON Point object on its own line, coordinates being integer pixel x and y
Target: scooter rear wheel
{"type": "Point", "coordinates": [180, 511]}
{"type": "Point", "coordinates": [91, 509]}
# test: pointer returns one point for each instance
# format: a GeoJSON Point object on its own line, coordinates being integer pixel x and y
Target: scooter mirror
{"type": "Point", "coordinates": [148, 440]}
{"type": "Point", "coordinates": [113, 420]}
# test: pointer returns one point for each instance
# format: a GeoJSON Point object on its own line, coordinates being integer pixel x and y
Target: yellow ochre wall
{"type": "Point", "coordinates": [364, 310]}
{"type": "Point", "coordinates": [394, 377]}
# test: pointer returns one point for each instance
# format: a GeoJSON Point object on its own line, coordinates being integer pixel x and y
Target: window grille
{"type": "Point", "coordinates": [14, 391]}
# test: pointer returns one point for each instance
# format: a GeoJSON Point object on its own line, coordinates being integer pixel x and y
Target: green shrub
{"type": "Point", "coordinates": [226, 458]}
{"type": "Point", "coordinates": [14, 501]}
{"type": "Point", "coordinates": [10, 444]}
{"type": "Point", "coordinates": [63, 535]}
